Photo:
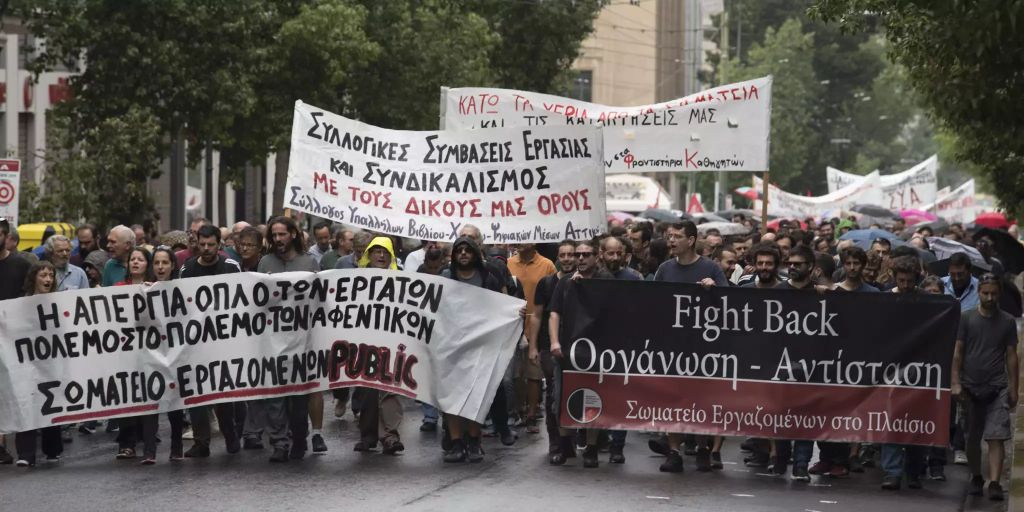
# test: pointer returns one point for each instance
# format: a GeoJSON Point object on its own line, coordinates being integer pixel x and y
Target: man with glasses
{"type": "Point", "coordinates": [587, 267]}
{"type": "Point", "coordinates": [687, 266]}
{"type": "Point", "coordinates": [801, 265]}
{"type": "Point", "coordinates": [249, 245]}
{"type": "Point", "coordinates": [985, 377]}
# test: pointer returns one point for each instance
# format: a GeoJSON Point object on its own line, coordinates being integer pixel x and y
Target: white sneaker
{"type": "Point", "coordinates": [960, 458]}
{"type": "Point", "coordinates": [22, 463]}
{"type": "Point", "coordinates": [187, 435]}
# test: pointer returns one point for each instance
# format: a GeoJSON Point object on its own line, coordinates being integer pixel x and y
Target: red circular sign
{"type": "Point", "coordinates": [6, 192]}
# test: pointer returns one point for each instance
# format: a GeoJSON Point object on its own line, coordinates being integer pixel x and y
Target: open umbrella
{"type": "Point", "coordinates": [619, 216]}
{"type": "Point", "coordinates": [865, 221]}
{"type": "Point", "coordinates": [1009, 251]}
{"type": "Point", "coordinates": [703, 217]}
{"type": "Point", "coordinates": [994, 220]}
{"type": "Point", "coordinates": [863, 238]}
{"type": "Point", "coordinates": [914, 216]}
{"type": "Point", "coordinates": [725, 228]}
{"type": "Point", "coordinates": [660, 215]}
{"type": "Point", "coordinates": [774, 223]}
{"type": "Point", "coordinates": [944, 248]}
{"type": "Point", "coordinates": [873, 210]}
{"type": "Point", "coordinates": [727, 214]}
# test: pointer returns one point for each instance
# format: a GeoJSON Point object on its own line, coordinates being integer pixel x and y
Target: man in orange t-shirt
{"type": "Point", "coordinates": [529, 268]}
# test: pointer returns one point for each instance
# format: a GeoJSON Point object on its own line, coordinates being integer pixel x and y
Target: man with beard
{"type": "Point", "coordinates": [985, 376]}
{"type": "Point", "coordinates": [208, 263]}
{"type": "Point", "coordinates": [726, 259]}
{"type": "Point", "coordinates": [801, 263]}
{"type": "Point", "coordinates": [766, 267]}
{"type": "Point", "coordinates": [279, 414]}
{"type": "Point", "coordinates": [687, 266]}
{"type": "Point", "coordinates": [467, 267]}
{"type": "Point", "coordinates": [69, 277]}
{"type": "Point", "coordinates": [87, 243]}
{"type": "Point", "coordinates": [540, 341]}
{"type": "Point", "coordinates": [587, 267]}
{"type": "Point", "coordinates": [529, 268]}
{"type": "Point", "coordinates": [834, 458]}
{"type": "Point", "coordinates": [640, 236]}
{"type": "Point", "coordinates": [895, 457]}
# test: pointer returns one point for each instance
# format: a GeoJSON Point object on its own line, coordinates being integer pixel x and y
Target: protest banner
{"type": "Point", "coordinates": [129, 350]}
{"type": "Point", "coordinates": [782, 364]}
{"type": "Point", "coordinates": [517, 185]}
{"type": "Point", "coordinates": [10, 179]}
{"type": "Point", "coordinates": [913, 188]}
{"type": "Point", "coordinates": [725, 128]}
{"type": "Point", "coordinates": [634, 194]}
{"type": "Point", "coordinates": [956, 206]}
{"type": "Point", "coordinates": [786, 204]}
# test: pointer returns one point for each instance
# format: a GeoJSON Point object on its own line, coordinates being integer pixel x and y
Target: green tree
{"type": "Point", "coordinates": [104, 176]}
{"type": "Point", "coordinates": [786, 54]}
{"type": "Point", "coordinates": [538, 40]}
{"type": "Point", "coordinates": [964, 60]}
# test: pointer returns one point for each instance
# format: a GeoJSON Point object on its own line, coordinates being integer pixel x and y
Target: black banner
{"type": "Point", "coordinates": [785, 364]}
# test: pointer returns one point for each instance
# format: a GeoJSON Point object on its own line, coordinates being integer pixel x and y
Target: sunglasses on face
{"type": "Point", "coordinates": [584, 254]}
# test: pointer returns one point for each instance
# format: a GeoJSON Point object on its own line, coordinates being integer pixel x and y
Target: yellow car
{"type": "Point", "coordinates": [32, 235]}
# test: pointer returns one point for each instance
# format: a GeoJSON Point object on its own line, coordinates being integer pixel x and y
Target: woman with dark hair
{"type": "Point", "coordinates": [140, 268]}
{"type": "Point", "coordinates": [41, 278]}
{"type": "Point", "coordinates": [165, 264]}
{"type": "Point", "coordinates": [140, 271]}
{"type": "Point", "coordinates": [165, 268]}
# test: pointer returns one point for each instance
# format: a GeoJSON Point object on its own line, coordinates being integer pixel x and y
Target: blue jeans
{"type": "Point", "coordinates": [618, 437]}
{"type": "Point", "coordinates": [894, 460]}
{"type": "Point", "coordinates": [802, 452]}
{"type": "Point", "coordinates": [430, 413]}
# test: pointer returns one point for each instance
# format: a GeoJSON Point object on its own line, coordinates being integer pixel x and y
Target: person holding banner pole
{"type": "Point", "coordinates": [467, 266]}
{"type": "Point", "coordinates": [587, 267]}
{"type": "Point", "coordinates": [284, 418]}
{"type": "Point", "coordinates": [540, 339]}
{"type": "Point", "coordinates": [896, 457]}
{"type": "Point", "coordinates": [140, 271]}
{"type": "Point", "coordinates": [41, 278]}
{"type": "Point", "coordinates": [687, 266]}
{"type": "Point", "coordinates": [13, 269]}
{"type": "Point", "coordinates": [381, 413]}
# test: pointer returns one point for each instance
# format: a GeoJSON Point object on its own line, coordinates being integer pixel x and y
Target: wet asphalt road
{"type": "Point", "coordinates": [510, 478]}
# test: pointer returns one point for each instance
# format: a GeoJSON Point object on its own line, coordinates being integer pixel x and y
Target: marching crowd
{"type": "Point", "coordinates": [801, 256]}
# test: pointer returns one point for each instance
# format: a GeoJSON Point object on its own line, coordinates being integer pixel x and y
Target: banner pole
{"type": "Point", "coordinates": [764, 203]}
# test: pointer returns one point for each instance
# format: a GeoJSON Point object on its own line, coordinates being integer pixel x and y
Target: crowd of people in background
{"type": "Point", "coordinates": [797, 255]}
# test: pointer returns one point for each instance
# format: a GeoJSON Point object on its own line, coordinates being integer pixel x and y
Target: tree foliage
{"type": "Point", "coordinates": [226, 74]}
{"type": "Point", "coordinates": [965, 60]}
{"type": "Point", "coordinates": [857, 109]}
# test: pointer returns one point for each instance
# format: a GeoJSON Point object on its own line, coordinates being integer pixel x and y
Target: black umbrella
{"type": "Point", "coordinates": [1009, 251]}
{"type": "Point", "coordinates": [873, 210]}
{"type": "Point", "coordinates": [661, 215]}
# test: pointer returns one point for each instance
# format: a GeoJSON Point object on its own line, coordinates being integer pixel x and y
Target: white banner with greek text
{"type": "Point", "coordinates": [129, 350]}
{"type": "Point", "coordinates": [913, 188]}
{"type": "Point", "coordinates": [786, 204]}
{"type": "Point", "coordinates": [725, 128]}
{"type": "Point", "coordinates": [518, 185]}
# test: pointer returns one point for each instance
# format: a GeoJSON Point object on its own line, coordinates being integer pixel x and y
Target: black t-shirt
{"type": "Point", "coordinates": [13, 270]}
{"type": "Point", "coordinates": [985, 342]}
{"type": "Point", "coordinates": [192, 267]}
{"type": "Point", "coordinates": [545, 291]}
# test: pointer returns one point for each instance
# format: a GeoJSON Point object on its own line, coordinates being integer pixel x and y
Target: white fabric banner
{"type": "Point", "coordinates": [540, 184]}
{"type": "Point", "coordinates": [129, 350]}
{"type": "Point", "coordinates": [725, 128]}
{"type": "Point", "coordinates": [956, 206]}
{"type": "Point", "coordinates": [786, 204]}
{"type": "Point", "coordinates": [912, 188]}
{"type": "Point", "coordinates": [634, 194]}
